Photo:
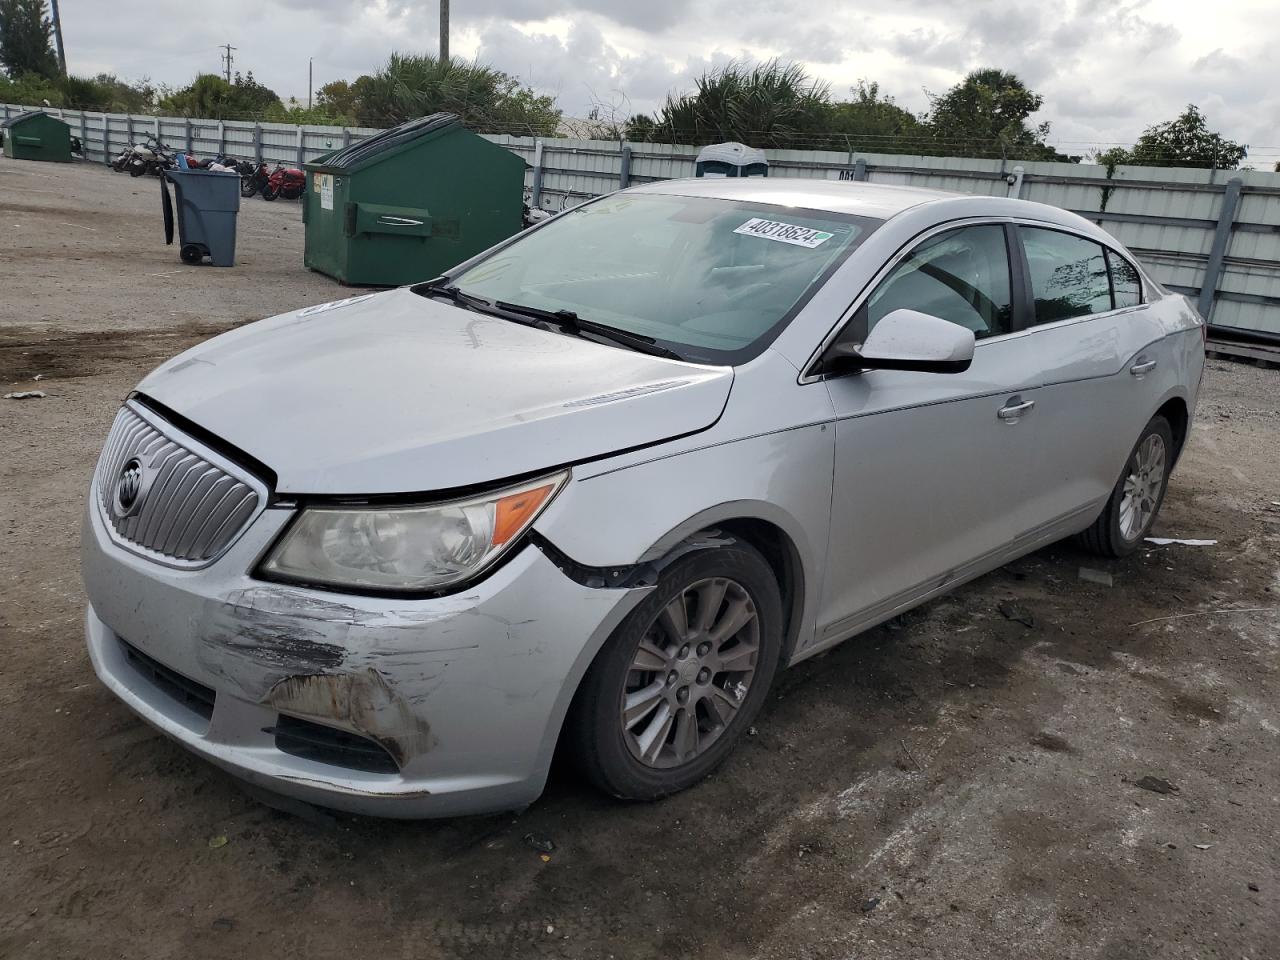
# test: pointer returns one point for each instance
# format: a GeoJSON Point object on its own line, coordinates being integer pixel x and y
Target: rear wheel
{"type": "Point", "coordinates": [268, 192]}
{"type": "Point", "coordinates": [248, 187]}
{"type": "Point", "coordinates": [1135, 501]}
{"type": "Point", "coordinates": [682, 677]}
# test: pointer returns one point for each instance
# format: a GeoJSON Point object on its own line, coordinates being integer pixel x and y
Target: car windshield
{"type": "Point", "coordinates": [710, 280]}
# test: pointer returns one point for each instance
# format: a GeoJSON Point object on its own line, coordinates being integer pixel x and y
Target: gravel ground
{"type": "Point", "coordinates": [955, 784]}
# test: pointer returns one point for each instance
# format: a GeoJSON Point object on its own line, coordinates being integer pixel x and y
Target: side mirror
{"type": "Point", "coordinates": [906, 340]}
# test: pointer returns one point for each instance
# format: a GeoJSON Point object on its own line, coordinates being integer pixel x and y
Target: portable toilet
{"type": "Point", "coordinates": [35, 135]}
{"type": "Point", "coordinates": [410, 202]}
{"type": "Point", "coordinates": [731, 160]}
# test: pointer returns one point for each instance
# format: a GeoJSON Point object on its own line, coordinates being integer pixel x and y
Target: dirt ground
{"type": "Point", "coordinates": [954, 785]}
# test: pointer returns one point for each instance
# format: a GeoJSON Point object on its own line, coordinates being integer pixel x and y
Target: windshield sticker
{"type": "Point", "coordinates": [784, 232]}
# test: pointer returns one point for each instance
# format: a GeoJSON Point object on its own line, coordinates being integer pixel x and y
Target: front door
{"type": "Point", "coordinates": [930, 469]}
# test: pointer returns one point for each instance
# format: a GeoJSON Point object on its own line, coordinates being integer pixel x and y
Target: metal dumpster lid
{"type": "Point", "coordinates": [360, 153]}
{"type": "Point", "coordinates": [23, 116]}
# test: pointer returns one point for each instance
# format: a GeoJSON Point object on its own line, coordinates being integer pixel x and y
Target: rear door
{"type": "Point", "coordinates": [931, 469]}
{"type": "Point", "coordinates": [1099, 348]}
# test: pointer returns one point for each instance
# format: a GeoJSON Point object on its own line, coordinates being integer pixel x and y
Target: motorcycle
{"type": "Point", "coordinates": [253, 177]}
{"type": "Point", "coordinates": [287, 182]}
{"type": "Point", "coordinates": [150, 156]}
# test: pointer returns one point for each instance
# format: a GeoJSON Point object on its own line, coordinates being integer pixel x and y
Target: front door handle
{"type": "Point", "coordinates": [1142, 367]}
{"type": "Point", "coordinates": [1012, 410]}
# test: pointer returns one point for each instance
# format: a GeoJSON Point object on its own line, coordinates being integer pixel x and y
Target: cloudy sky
{"type": "Point", "coordinates": [1106, 68]}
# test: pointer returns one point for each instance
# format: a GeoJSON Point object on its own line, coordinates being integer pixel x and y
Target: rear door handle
{"type": "Point", "coordinates": [1142, 367]}
{"type": "Point", "coordinates": [1011, 411]}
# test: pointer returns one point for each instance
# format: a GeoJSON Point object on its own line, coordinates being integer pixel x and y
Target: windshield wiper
{"type": "Point", "coordinates": [571, 323]}
{"type": "Point", "coordinates": [442, 287]}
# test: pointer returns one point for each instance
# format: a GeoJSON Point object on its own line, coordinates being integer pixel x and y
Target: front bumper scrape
{"type": "Point", "coordinates": [467, 693]}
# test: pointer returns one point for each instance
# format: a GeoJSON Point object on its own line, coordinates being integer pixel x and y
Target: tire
{"type": "Point", "coordinates": [652, 758]}
{"type": "Point", "coordinates": [137, 168]}
{"type": "Point", "coordinates": [269, 192]}
{"type": "Point", "coordinates": [190, 253]}
{"type": "Point", "coordinates": [1119, 530]}
{"type": "Point", "coordinates": [248, 187]}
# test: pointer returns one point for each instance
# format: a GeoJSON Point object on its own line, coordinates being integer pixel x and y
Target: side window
{"type": "Point", "coordinates": [961, 275]}
{"type": "Point", "coordinates": [1126, 285]}
{"type": "Point", "coordinates": [1068, 275]}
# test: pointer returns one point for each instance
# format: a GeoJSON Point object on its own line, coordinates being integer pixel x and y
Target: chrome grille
{"type": "Point", "coordinates": [188, 511]}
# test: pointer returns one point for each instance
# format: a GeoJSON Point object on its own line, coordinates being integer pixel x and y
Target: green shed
{"type": "Point", "coordinates": [409, 203]}
{"type": "Point", "coordinates": [35, 135]}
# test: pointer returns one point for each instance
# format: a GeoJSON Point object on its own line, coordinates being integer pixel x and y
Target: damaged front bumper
{"type": "Point", "coordinates": [408, 708]}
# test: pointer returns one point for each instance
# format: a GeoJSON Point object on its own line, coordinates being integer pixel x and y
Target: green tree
{"type": "Point", "coordinates": [770, 104]}
{"type": "Point", "coordinates": [337, 99]}
{"type": "Point", "coordinates": [210, 96]}
{"type": "Point", "coordinates": [642, 128]}
{"type": "Point", "coordinates": [1187, 141]}
{"type": "Point", "coordinates": [486, 99]}
{"type": "Point", "coordinates": [988, 114]}
{"type": "Point", "coordinates": [25, 39]}
{"type": "Point", "coordinates": [876, 124]}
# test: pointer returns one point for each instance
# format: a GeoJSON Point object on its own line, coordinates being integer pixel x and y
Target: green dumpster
{"type": "Point", "coordinates": [35, 135]}
{"type": "Point", "coordinates": [409, 203]}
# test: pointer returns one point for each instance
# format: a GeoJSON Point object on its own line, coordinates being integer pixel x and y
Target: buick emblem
{"type": "Point", "coordinates": [129, 488]}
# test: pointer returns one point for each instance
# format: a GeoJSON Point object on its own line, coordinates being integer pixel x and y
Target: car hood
{"type": "Point", "coordinates": [395, 393]}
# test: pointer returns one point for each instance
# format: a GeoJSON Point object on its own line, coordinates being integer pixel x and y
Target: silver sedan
{"type": "Point", "coordinates": [599, 484]}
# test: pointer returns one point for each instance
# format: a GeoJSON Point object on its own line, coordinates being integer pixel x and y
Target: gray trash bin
{"type": "Point", "coordinates": [206, 206]}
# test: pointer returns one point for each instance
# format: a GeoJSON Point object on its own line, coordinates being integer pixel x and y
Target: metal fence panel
{"type": "Point", "coordinates": [1168, 216]}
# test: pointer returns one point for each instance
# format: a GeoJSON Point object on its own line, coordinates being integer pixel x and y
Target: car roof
{"type": "Point", "coordinates": [879, 200]}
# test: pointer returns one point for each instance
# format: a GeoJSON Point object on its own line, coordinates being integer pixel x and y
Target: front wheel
{"type": "Point", "coordinates": [682, 677]}
{"type": "Point", "coordinates": [1135, 501]}
{"type": "Point", "coordinates": [269, 192]}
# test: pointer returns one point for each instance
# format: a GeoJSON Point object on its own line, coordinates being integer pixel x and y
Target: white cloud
{"type": "Point", "coordinates": [1106, 68]}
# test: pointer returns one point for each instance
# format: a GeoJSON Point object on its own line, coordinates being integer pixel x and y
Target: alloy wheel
{"type": "Point", "coordinates": [691, 673]}
{"type": "Point", "coordinates": [1142, 487]}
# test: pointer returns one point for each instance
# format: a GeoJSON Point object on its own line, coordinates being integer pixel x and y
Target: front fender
{"type": "Point", "coordinates": [636, 514]}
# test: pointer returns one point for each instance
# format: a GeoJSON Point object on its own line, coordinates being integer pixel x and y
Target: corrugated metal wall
{"type": "Point", "coordinates": [1169, 217]}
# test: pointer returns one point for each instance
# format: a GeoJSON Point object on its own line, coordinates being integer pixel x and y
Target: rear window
{"type": "Point", "coordinates": [1068, 275]}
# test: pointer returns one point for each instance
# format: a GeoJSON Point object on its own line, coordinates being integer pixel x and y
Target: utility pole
{"type": "Point", "coordinates": [444, 31]}
{"type": "Point", "coordinates": [310, 82]}
{"type": "Point", "coordinates": [227, 60]}
{"type": "Point", "coordinates": [57, 37]}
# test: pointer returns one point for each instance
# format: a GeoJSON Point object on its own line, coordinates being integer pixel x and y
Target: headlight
{"type": "Point", "coordinates": [411, 548]}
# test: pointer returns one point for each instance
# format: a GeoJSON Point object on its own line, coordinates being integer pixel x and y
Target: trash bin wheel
{"type": "Point", "coordinates": [191, 253]}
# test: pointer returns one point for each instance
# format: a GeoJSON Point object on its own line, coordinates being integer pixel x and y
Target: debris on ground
{"type": "Point", "coordinates": [1165, 541]}
{"type": "Point", "coordinates": [1019, 614]}
{"type": "Point", "coordinates": [38, 377]}
{"type": "Point", "coordinates": [540, 844]}
{"type": "Point", "coordinates": [910, 756]}
{"type": "Point", "coordinates": [216, 842]}
{"type": "Point", "coordinates": [223, 924]}
{"type": "Point", "coordinates": [25, 395]}
{"type": "Point", "coordinates": [869, 905]}
{"type": "Point", "coordinates": [1156, 785]}
{"type": "Point", "coordinates": [1253, 887]}
{"type": "Point", "coordinates": [1203, 846]}
{"type": "Point", "coordinates": [1090, 575]}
